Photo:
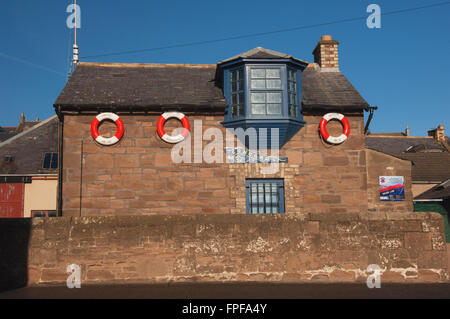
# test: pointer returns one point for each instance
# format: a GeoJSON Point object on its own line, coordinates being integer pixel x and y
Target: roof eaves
{"type": "Point", "coordinates": [30, 130]}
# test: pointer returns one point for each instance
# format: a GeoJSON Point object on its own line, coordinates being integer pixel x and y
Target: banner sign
{"type": "Point", "coordinates": [392, 188]}
{"type": "Point", "coordinates": [242, 155]}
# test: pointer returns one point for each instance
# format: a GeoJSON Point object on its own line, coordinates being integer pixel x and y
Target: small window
{"type": "Point", "coordinates": [50, 161]}
{"type": "Point", "coordinates": [292, 92]}
{"type": "Point", "coordinates": [9, 159]}
{"type": "Point", "coordinates": [266, 91]}
{"type": "Point", "coordinates": [237, 93]}
{"type": "Point", "coordinates": [265, 196]}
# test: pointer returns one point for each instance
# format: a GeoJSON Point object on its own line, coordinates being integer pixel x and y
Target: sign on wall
{"type": "Point", "coordinates": [242, 155]}
{"type": "Point", "coordinates": [392, 188]}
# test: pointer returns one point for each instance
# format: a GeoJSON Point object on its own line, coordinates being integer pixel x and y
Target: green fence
{"type": "Point", "coordinates": [438, 208]}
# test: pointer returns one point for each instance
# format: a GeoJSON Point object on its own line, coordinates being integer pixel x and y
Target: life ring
{"type": "Point", "coordinates": [107, 140]}
{"type": "Point", "coordinates": [323, 128]}
{"type": "Point", "coordinates": [168, 138]}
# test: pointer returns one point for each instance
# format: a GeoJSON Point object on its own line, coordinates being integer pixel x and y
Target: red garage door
{"type": "Point", "coordinates": [11, 200]}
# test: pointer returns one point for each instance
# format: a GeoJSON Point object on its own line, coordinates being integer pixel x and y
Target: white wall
{"type": "Point", "coordinates": [40, 195]}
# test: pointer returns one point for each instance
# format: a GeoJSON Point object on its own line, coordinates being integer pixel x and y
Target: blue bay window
{"type": "Point", "coordinates": [263, 93]}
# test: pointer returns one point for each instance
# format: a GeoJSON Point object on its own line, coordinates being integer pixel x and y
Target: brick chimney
{"type": "Point", "coordinates": [326, 54]}
{"type": "Point", "coordinates": [438, 133]}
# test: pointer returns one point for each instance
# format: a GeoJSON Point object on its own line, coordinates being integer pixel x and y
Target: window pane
{"type": "Point", "coordinates": [233, 86]}
{"type": "Point", "coordinates": [291, 86]}
{"type": "Point", "coordinates": [273, 108]}
{"type": "Point", "coordinates": [241, 98]}
{"type": "Point", "coordinates": [239, 85]}
{"type": "Point", "coordinates": [258, 73]}
{"type": "Point", "coordinates": [293, 99]}
{"type": "Point", "coordinates": [54, 163]}
{"type": "Point", "coordinates": [273, 73]}
{"type": "Point", "coordinates": [274, 84]}
{"type": "Point", "coordinates": [258, 97]}
{"type": "Point", "coordinates": [234, 110]}
{"type": "Point", "coordinates": [258, 84]}
{"type": "Point", "coordinates": [234, 99]}
{"type": "Point", "coordinates": [241, 110]}
{"type": "Point", "coordinates": [240, 74]}
{"type": "Point", "coordinates": [258, 109]}
{"type": "Point", "coordinates": [273, 97]}
{"type": "Point", "coordinates": [47, 159]}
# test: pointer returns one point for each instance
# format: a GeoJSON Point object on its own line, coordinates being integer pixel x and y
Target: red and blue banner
{"type": "Point", "coordinates": [392, 188]}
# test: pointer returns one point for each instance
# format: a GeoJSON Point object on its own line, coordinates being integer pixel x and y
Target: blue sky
{"type": "Point", "coordinates": [403, 68]}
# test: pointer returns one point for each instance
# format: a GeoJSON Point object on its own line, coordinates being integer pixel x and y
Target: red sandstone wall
{"type": "Point", "coordinates": [408, 247]}
{"type": "Point", "coordinates": [380, 164]}
{"type": "Point", "coordinates": [137, 176]}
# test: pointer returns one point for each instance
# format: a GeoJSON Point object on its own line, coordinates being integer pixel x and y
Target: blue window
{"type": "Point", "coordinates": [237, 93]}
{"type": "Point", "coordinates": [292, 92]}
{"type": "Point", "coordinates": [9, 159]}
{"type": "Point", "coordinates": [264, 95]}
{"type": "Point", "coordinates": [265, 196]}
{"type": "Point", "coordinates": [266, 91]}
{"type": "Point", "coordinates": [50, 161]}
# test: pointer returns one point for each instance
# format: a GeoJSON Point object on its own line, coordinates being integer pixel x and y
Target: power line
{"type": "Point", "coordinates": [265, 33]}
{"type": "Point", "coordinates": [12, 58]}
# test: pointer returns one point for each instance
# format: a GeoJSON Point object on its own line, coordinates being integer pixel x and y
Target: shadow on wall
{"type": "Point", "coordinates": [14, 240]}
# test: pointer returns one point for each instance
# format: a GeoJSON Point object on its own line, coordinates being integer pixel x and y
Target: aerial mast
{"type": "Point", "coordinates": [75, 46]}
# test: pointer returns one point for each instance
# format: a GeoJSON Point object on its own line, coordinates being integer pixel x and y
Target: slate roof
{"type": "Point", "coordinates": [28, 149]}
{"type": "Point", "coordinates": [157, 87]}
{"type": "Point", "coordinates": [440, 191]}
{"type": "Point", "coordinates": [428, 167]}
{"type": "Point", "coordinates": [398, 145]}
{"type": "Point", "coordinates": [431, 160]}
{"type": "Point", "coordinates": [6, 133]}
{"type": "Point", "coordinates": [329, 91]}
{"type": "Point", "coordinates": [142, 86]}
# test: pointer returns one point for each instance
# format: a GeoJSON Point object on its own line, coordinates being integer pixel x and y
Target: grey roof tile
{"type": "Point", "coordinates": [186, 88]}
{"type": "Point", "coordinates": [29, 147]}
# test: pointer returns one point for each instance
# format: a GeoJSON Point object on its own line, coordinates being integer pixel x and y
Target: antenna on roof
{"type": "Point", "coordinates": [75, 46]}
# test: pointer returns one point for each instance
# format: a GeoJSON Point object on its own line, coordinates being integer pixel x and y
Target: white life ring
{"type": "Point", "coordinates": [323, 128]}
{"type": "Point", "coordinates": [107, 140]}
{"type": "Point", "coordinates": [168, 138]}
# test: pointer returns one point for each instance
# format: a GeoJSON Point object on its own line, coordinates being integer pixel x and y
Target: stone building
{"type": "Point", "coordinates": [257, 90]}
{"type": "Point", "coordinates": [29, 170]}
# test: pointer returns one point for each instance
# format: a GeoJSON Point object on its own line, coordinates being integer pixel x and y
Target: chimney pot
{"type": "Point", "coordinates": [326, 53]}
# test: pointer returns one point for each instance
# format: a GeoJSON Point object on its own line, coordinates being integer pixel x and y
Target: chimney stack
{"type": "Point", "coordinates": [407, 130]}
{"type": "Point", "coordinates": [326, 54]}
{"type": "Point", "coordinates": [438, 133]}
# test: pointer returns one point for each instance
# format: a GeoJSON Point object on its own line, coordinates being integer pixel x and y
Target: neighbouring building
{"type": "Point", "coordinates": [430, 158]}
{"type": "Point", "coordinates": [259, 89]}
{"type": "Point", "coordinates": [7, 132]}
{"type": "Point", "coordinates": [430, 155]}
{"type": "Point", "coordinates": [29, 171]}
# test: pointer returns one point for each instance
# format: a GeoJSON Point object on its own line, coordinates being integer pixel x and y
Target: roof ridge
{"type": "Point", "coordinates": [146, 65]}
{"type": "Point", "coordinates": [27, 131]}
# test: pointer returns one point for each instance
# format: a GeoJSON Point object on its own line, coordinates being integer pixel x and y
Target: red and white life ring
{"type": "Point", "coordinates": [107, 140]}
{"type": "Point", "coordinates": [168, 138]}
{"type": "Point", "coordinates": [323, 128]}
